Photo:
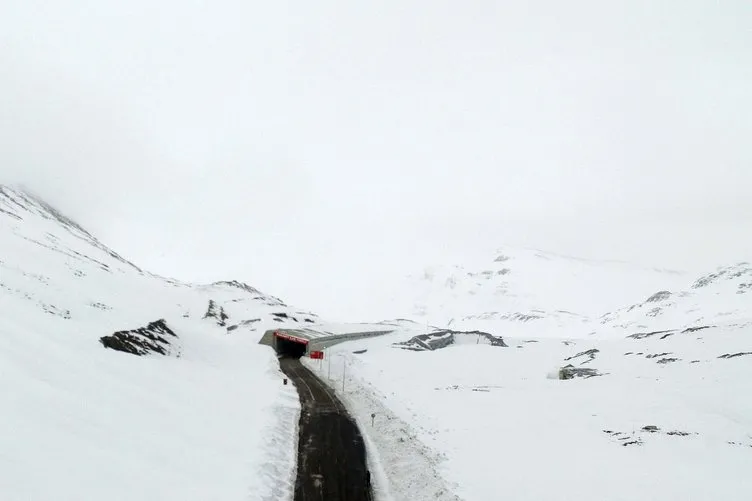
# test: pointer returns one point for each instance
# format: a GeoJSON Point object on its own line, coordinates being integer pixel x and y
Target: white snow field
{"type": "Point", "coordinates": [669, 417]}
{"type": "Point", "coordinates": [210, 420]}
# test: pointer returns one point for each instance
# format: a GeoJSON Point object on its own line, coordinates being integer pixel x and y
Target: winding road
{"type": "Point", "coordinates": [331, 452]}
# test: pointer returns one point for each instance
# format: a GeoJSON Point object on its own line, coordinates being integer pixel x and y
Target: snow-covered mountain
{"type": "Point", "coordinates": [525, 292]}
{"type": "Point", "coordinates": [204, 415]}
{"type": "Point", "coordinates": [83, 421]}
{"type": "Point", "coordinates": [50, 263]}
{"type": "Point", "coordinates": [721, 298]}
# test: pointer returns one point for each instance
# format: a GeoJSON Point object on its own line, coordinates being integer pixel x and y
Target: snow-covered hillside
{"type": "Point", "coordinates": [649, 401]}
{"type": "Point", "coordinates": [209, 421]}
{"type": "Point", "coordinates": [524, 292]}
{"type": "Point", "coordinates": [651, 418]}
{"type": "Point", "coordinates": [721, 298]}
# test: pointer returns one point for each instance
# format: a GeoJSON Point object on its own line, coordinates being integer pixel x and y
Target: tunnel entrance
{"type": "Point", "coordinates": [289, 346]}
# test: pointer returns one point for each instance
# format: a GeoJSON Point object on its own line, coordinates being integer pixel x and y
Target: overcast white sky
{"type": "Point", "coordinates": [302, 145]}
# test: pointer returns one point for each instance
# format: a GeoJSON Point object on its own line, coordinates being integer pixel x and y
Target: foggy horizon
{"type": "Point", "coordinates": [305, 148]}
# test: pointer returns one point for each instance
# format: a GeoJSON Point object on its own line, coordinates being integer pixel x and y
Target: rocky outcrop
{"type": "Point", "coordinates": [156, 337]}
{"type": "Point", "coordinates": [217, 313]}
{"type": "Point", "coordinates": [589, 354]}
{"type": "Point", "coordinates": [443, 338]}
{"type": "Point", "coordinates": [571, 372]}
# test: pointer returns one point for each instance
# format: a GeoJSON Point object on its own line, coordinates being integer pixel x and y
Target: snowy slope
{"type": "Point", "coordinates": [210, 421]}
{"type": "Point", "coordinates": [661, 408]}
{"type": "Point", "coordinates": [667, 419]}
{"type": "Point", "coordinates": [720, 298]}
{"type": "Point", "coordinates": [526, 292]}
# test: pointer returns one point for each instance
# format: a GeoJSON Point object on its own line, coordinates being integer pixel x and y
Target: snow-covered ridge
{"type": "Point", "coordinates": [720, 298]}
{"type": "Point", "coordinates": [22, 206]}
{"type": "Point", "coordinates": [526, 292]}
{"type": "Point", "coordinates": [49, 260]}
{"type": "Point", "coordinates": [82, 419]}
{"type": "Point", "coordinates": [531, 293]}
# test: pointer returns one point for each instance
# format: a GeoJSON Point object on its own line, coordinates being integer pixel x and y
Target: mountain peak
{"type": "Point", "coordinates": [43, 222]}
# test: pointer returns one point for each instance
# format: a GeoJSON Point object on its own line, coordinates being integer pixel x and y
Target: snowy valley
{"type": "Point", "coordinates": [530, 376]}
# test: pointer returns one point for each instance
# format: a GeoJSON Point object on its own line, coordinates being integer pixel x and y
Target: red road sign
{"type": "Point", "coordinates": [295, 339]}
{"type": "Point", "coordinates": [317, 355]}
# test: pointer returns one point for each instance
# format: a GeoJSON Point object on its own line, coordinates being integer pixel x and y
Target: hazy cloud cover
{"type": "Point", "coordinates": [310, 148]}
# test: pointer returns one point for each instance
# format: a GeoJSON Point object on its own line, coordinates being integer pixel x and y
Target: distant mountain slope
{"type": "Point", "coordinates": [720, 298]}
{"type": "Point", "coordinates": [526, 292]}
{"type": "Point", "coordinates": [51, 264]}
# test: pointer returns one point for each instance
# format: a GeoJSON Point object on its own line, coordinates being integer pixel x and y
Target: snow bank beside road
{"type": "Point", "coordinates": [88, 423]}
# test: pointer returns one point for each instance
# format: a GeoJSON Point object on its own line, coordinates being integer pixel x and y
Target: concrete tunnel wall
{"type": "Point", "coordinates": [290, 348]}
{"type": "Point", "coordinates": [316, 340]}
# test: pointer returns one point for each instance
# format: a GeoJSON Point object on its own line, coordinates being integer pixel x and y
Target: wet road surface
{"type": "Point", "coordinates": [331, 452]}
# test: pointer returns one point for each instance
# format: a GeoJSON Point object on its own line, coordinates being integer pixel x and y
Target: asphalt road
{"type": "Point", "coordinates": [331, 452]}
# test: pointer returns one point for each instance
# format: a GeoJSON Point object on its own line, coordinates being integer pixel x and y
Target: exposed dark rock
{"type": "Point", "coordinates": [727, 273]}
{"type": "Point", "coordinates": [571, 372]}
{"type": "Point", "coordinates": [54, 310]}
{"type": "Point", "coordinates": [659, 296]}
{"type": "Point", "coordinates": [240, 285]}
{"type": "Point", "coordinates": [632, 442]}
{"type": "Point", "coordinates": [216, 312]}
{"type": "Point", "coordinates": [695, 329]}
{"type": "Point", "coordinates": [737, 443]}
{"type": "Point", "coordinates": [443, 338]}
{"type": "Point", "coordinates": [654, 312]}
{"type": "Point", "coordinates": [656, 355]}
{"type": "Point", "coordinates": [154, 338]}
{"type": "Point", "coordinates": [667, 360]}
{"type": "Point", "coordinates": [15, 216]}
{"type": "Point", "coordinates": [590, 354]}
{"type": "Point", "coordinates": [643, 335]}
{"type": "Point", "coordinates": [651, 428]}
{"type": "Point", "coordinates": [244, 323]}
{"type": "Point", "coordinates": [734, 355]}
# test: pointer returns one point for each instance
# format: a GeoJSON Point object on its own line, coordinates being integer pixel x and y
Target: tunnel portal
{"type": "Point", "coordinates": [289, 346]}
